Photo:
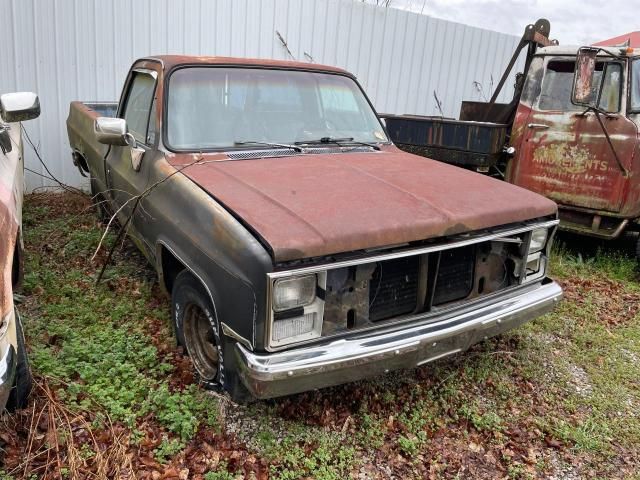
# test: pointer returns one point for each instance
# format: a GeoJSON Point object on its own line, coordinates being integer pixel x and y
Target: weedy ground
{"type": "Point", "coordinates": [114, 398]}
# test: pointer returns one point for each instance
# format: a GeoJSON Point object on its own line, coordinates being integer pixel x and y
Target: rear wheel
{"type": "Point", "coordinates": [196, 328]}
{"type": "Point", "coordinates": [23, 381]}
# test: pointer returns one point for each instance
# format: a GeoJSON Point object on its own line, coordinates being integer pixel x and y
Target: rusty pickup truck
{"type": "Point", "coordinates": [300, 247]}
{"type": "Point", "coordinates": [15, 376]}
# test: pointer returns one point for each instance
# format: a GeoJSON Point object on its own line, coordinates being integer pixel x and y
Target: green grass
{"type": "Point", "coordinates": [94, 341]}
{"type": "Point", "coordinates": [561, 391]}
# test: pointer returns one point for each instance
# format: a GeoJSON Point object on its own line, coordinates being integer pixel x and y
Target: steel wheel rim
{"type": "Point", "coordinates": [200, 342]}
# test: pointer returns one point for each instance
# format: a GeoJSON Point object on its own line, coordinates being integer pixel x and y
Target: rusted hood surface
{"type": "Point", "coordinates": [311, 205]}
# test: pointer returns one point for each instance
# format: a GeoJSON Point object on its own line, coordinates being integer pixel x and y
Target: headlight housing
{"type": "Point", "coordinates": [296, 309]}
{"type": "Point", "coordinates": [536, 260]}
{"type": "Point", "coordinates": [538, 239]}
{"type": "Point", "coordinates": [293, 292]}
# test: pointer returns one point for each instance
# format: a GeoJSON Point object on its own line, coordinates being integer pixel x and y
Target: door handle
{"type": "Point", "coordinates": [537, 125]}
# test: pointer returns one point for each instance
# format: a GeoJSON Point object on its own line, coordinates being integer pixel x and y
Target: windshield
{"type": "Point", "coordinates": [212, 107]}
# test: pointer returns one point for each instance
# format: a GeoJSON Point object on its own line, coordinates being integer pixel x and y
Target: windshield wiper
{"type": "Point", "coordinates": [338, 141]}
{"type": "Point", "coordinates": [295, 148]}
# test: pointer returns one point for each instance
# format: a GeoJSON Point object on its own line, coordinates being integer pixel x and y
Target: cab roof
{"type": "Point", "coordinates": [573, 50]}
{"type": "Point", "coordinates": [172, 61]}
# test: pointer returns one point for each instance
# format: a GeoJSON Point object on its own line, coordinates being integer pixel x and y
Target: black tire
{"type": "Point", "coordinates": [197, 330]}
{"type": "Point", "coordinates": [23, 382]}
{"type": "Point", "coordinates": [638, 250]}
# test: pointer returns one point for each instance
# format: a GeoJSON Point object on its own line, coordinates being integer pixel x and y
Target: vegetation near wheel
{"type": "Point", "coordinates": [196, 329]}
{"type": "Point", "coordinates": [23, 381]}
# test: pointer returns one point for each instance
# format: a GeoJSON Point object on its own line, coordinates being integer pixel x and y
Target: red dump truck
{"type": "Point", "coordinates": [584, 155]}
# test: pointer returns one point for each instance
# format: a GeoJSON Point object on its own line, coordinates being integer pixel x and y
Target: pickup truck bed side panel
{"type": "Point", "coordinates": [80, 129]}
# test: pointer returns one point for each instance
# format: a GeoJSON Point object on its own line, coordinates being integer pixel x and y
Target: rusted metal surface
{"type": "Point", "coordinates": [10, 216]}
{"type": "Point", "coordinates": [233, 221]}
{"type": "Point", "coordinates": [566, 155]}
{"type": "Point", "coordinates": [462, 143]}
{"type": "Point", "coordinates": [534, 36]}
{"type": "Point", "coordinates": [585, 67]}
{"type": "Point", "coordinates": [483, 126]}
{"type": "Point", "coordinates": [313, 205]}
{"type": "Point", "coordinates": [483, 112]}
{"type": "Point", "coordinates": [571, 161]}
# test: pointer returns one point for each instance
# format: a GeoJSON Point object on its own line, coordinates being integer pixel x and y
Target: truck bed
{"type": "Point", "coordinates": [80, 128]}
{"type": "Point", "coordinates": [470, 144]}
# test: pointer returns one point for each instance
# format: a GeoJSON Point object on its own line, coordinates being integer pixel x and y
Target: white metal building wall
{"type": "Point", "coordinates": [81, 49]}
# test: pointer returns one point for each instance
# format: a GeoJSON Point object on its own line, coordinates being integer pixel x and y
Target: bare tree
{"type": "Point", "coordinates": [379, 3]}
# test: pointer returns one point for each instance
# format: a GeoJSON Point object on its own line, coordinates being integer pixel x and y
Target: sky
{"type": "Point", "coordinates": [572, 21]}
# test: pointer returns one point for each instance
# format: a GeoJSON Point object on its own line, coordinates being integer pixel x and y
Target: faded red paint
{"type": "Point", "coordinates": [632, 37]}
{"type": "Point", "coordinates": [312, 205]}
{"type": "Point", "coordinates": [570, 160]}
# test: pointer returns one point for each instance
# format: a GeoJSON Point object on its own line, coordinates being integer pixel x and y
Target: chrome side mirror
{"type": "Point", "coordinates": [19, 106]}
{"type": "Point", "coordinates": [112, 131]}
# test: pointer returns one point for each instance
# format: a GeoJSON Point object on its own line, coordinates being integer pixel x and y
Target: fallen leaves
{"type": "Point", "coordinates": [613, 303]}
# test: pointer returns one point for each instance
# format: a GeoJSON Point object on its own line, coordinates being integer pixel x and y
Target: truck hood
{"type": "Point", "coordinates": [319, 204]}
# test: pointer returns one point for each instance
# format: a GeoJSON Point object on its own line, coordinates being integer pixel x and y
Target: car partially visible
{"type": "Point", "coordinates": [15, 376]}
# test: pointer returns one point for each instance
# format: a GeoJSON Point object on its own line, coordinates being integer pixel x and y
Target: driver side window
{"type": "Point", "coordinates": [137, 109]}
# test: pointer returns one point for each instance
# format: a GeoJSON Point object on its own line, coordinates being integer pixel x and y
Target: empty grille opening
{"type": "Point", "coordinates": [351, 318]}
{"type": "Point", "coordinates": [455, 275]}
{"type": "Point", "coordinates": [393, 288]}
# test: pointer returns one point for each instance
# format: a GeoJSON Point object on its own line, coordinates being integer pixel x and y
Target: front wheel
{"type": "Point", "coordinates": [23, 381]}
{"type": "Point", "coordinates": [196, 328]}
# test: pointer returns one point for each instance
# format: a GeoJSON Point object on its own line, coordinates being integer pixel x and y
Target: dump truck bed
{"type": "Point", "coordinates": [470, 144]}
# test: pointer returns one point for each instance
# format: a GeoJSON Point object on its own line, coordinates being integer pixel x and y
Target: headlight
{"type": "Point", "coordinates": [293, 292]}
{"type": "Point", "coordinates": [297, 310]}
{"type": "Point", "coordinates": [294, 328]}
{"type": "Point", "coordinates": [538, 240]}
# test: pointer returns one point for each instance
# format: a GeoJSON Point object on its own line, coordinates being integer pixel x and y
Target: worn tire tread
{"type": "Point", "coordinates": [23, 382]}
{"type": "Point", "coordinates": [231, 383]}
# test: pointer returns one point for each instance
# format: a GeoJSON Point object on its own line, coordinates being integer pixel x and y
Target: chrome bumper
{"type": "Point", "coordinates": [372, 353]}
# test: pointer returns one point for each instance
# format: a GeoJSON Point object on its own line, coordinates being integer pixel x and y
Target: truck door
{"type": "Point", "coordinates": [563, 152]}
{"type": "Point", "coordinates": [126, 177]}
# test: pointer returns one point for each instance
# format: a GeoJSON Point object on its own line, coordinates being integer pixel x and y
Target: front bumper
{"type": "Point", "coordinates": [373, 353]}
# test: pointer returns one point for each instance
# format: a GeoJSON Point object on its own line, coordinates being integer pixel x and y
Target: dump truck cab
{"type": "Point", "coordinates": [584, 159]}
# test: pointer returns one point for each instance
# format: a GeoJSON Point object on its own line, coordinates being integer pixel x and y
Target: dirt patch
{"type": "Point", "coordinates": [580, 380]}
{"type": "Point", "coordinates": [614, 304]}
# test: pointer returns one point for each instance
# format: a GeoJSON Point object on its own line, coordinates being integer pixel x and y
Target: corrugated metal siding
{"type": "Point", "coordinates": [81, 49]}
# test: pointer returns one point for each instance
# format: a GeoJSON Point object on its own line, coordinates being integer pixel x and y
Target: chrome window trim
{"type": "Point", "coordinates": [272, 276]}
